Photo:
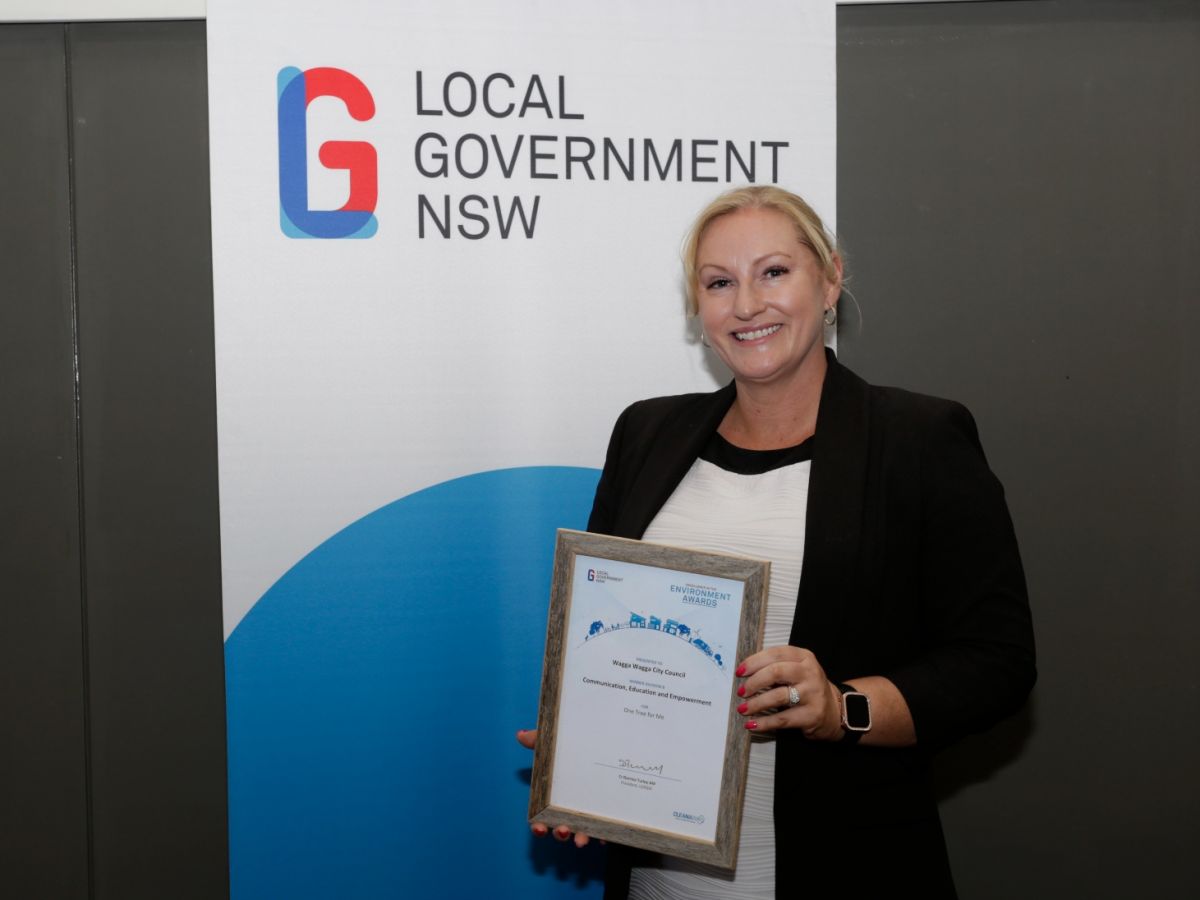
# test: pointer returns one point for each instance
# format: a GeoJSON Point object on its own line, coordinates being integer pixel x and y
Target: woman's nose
{"type": "Point", "coordinates": [748, 303]}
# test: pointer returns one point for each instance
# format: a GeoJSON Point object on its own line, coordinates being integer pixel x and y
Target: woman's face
{"type": "Point", "coordinates": [761, 296]}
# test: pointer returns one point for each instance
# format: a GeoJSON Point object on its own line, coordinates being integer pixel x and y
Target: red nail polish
{"type": "Point", "coordinates": [742, 707]}
{"type": "Point", "coordinates": [751, 724]}
{"type": "Point", "coordinates": [740, 671]}
{"type": "Point", "coordinates": [741, 692]}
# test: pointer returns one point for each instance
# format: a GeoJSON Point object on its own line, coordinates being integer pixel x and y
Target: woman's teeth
{"type": "Point", "coordinates": [755, 335]}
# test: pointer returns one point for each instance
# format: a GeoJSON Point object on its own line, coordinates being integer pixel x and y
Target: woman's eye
{"type": "Point", "coordinates": [718, 283]}
{"type": "Point", "coordinates": [776, 271]}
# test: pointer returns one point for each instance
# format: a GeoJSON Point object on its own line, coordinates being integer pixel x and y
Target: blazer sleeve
{"type": "Point", "coordinates": [978, 666]}
{"type": "Point", "coordinates": [604, 506]}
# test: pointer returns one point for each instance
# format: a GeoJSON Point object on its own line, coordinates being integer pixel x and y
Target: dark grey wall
{"type": "Point", "coordinates": [1018, 196]}
{"type": "Point", "coordinates": [1018, 190]}
{"type": "Point", "coordinates": [44, 822]}
{"type": "Point", "coordinates": [113, 679]}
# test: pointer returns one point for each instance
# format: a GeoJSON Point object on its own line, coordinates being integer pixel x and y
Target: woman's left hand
{"type": "Point", "coordinates": [771, 675]}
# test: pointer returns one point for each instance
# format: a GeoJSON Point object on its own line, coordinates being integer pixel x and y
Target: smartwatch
{"type": "Point", "coordinates": [856, 713]}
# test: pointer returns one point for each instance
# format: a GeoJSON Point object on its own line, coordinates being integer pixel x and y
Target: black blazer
{"type": "Point", "coordinates": [911, 571]}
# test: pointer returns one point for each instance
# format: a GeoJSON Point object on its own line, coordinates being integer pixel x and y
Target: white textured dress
{"type": "Point", "coordinates": [750, 503]}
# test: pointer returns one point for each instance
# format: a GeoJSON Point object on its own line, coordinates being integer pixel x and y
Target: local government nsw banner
{"type": "Point", "coordinates": [446, 255]}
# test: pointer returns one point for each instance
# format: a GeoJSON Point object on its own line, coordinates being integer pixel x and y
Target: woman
{"type": "Point", "coordinates": [909, 625]}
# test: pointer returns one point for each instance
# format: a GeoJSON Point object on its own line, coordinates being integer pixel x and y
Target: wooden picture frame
{"type": "Point", "coordinates": [637, 692]}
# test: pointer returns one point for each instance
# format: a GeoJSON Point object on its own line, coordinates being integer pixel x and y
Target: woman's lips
{"type": "Point", "coordinates": [756, 333]}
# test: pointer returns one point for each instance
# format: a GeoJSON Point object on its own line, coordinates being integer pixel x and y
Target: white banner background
{"type": "Point", "coordinates": [353, 373]}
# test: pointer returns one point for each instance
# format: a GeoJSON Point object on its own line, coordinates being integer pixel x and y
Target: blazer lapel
{"type": "Point", "coordinates": [833, 522]}
{"type": "Point", "coordinates": [668, 460]}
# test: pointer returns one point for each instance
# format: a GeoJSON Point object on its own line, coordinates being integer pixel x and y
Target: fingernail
{"type": "Point", "coordinates": [741, 691]}
{"type": "Point", "coordinates": [740, 671]}
{"type": "Point", "coordinates": [751, 724]}
{"type": "Point", "coordinates": [563, 832]}
{"type": "Point", "coordinates": [539, 830]}
{"type": "Point", "coordinates": [742, 707]}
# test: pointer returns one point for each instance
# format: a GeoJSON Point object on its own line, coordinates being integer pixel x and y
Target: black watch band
{"type": "Point", "coordinates": [856, 713]}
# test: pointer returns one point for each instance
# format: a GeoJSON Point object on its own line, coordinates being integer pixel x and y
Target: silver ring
{"type": "Point", "coordinates": [793, 695]}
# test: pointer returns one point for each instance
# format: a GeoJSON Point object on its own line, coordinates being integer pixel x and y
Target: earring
{"type": "Point", "coordinates": [704, 339]}
{"type": "Point", "coordinates": [830, 317]}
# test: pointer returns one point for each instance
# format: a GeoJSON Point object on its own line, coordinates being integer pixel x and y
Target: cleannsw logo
{"type": "Point", "coordinates": [356, 218]}
{"type": "Point", "coordinates": [688, 817]}
{"type": "Point", "coordinates": [591, 574]}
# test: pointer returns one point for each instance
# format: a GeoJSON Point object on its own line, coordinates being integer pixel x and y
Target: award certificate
{"type": "Point", "coordinates": [638, 738]}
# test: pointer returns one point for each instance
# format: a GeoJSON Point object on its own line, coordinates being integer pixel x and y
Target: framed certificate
{"type": "Point", "coordinates": [638, 739]}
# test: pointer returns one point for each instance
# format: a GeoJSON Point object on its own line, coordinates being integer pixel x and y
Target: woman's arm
{"type": "Point", "coordinates": [977, 662]}
{"type": "Point", "coordinates": [772, 674]}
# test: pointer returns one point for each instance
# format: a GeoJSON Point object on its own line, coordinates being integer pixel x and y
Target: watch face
{"type": "Point", "coordinates": [858, 712]}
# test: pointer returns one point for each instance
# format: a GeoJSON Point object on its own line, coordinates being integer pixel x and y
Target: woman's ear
{"type": "Point", "coordinates": [834, 291]}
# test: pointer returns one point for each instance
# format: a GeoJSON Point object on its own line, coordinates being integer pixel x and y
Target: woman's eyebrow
{"type": "Point", "coordinates": [767, 256]}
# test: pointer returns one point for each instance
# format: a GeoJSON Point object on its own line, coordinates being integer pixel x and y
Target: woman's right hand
{"type": "Point", "coordinates": [527, 737]}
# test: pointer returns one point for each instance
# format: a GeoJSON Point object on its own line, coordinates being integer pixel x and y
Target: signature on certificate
{"type": "Point", "coordinates": [640, 767]}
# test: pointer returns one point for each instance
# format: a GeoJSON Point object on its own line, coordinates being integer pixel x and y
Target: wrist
{"type": "Point", "coordinates": [855, 712]}
{"type": "Point", "coordinates": [831, 729]}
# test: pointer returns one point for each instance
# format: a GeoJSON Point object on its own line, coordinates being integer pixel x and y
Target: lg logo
{"type": "Point", "coordinates": [356, 217]}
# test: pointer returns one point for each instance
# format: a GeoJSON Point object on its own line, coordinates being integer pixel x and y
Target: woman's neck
{"type": "Point", "coordinates": [773, 416]}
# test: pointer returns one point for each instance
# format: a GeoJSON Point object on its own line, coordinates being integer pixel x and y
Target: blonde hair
{"type": "Point", "coordinates": [810, 230]}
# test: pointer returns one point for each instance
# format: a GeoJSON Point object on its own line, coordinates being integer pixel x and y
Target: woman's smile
{"type": "Point", "coordinates": [757, 333]}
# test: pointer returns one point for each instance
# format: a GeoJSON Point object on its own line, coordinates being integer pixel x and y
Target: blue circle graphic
{"type": "Point", "coordinates": [373, 693]}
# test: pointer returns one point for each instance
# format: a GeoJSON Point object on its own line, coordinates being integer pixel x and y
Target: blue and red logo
{"type": "Point", "coordinates": [356, 217]}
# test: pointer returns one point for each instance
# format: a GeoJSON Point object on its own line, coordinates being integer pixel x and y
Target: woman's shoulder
{"type": "Point", "coordinates": [920, 432]}
{"type": "Point", "coordinates": [893, 408]}
{"type": "Point", "coordinates": [921, 415]}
